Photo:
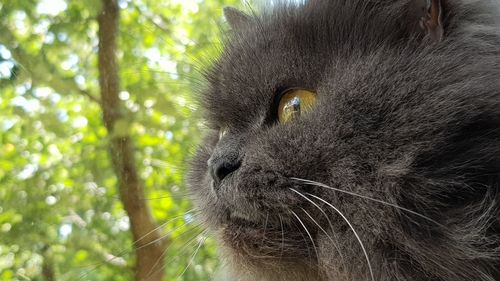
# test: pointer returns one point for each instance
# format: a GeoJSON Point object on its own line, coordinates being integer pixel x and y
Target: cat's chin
{"type": "Point", "coordinates": [254, 264]}
{"type": "Point", "coordinates": [256, 241]}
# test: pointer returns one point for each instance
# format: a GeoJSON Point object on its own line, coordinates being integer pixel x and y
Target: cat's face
{"type": "Point", "coordinates": [349, 144]}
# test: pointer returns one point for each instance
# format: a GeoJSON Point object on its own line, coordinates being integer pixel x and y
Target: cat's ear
{"type": "Point", "coordinates": [429, 15]}
{"type": "Point", "coordinates": [236, 18]}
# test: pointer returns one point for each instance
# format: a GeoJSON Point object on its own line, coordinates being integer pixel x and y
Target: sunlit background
{"type": "Point", "coordinates": [61, 214]}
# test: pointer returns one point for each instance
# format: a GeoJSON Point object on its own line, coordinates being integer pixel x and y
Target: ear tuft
{"type": "Point", "coordinates": [236, 18]}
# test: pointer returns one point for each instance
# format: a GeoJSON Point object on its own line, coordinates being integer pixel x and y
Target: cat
{"type": "Point", "coordinates": [354, 140]}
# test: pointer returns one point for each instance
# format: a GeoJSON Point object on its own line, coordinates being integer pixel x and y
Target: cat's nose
{"type": "Point", "coordinates": [221, 168]}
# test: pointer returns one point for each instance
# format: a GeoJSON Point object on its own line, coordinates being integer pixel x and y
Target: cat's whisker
{"type": "Point", "coordinates": [152, 26]}
{"type": "Point", "coordinates": [282, 246]}
{"type": "Point", "coordinates": [153, 271]}
{"type": "Point", "coordinates": [124, 252]}
{"type": "Point", "coordinates": [308, 233]}
{"type": "Point", "coordinates": [165, 251]}
{"type": "Point", "coordinates": [312, 219]}
{"type": "Point", "coordinates": [202, 241]}
{"type": "Point", "coordinates": [186, 79]}
{"type": "Point", "coordinates": [318, 184]}
{"type": "Point", "coordinates": [195, 211]}
{"type": "Point", "coordinates": [265, 227]}
{"type": "Point", "coordinates": [329, 222]}
{"type": "Point", "coordinates": [184, 195]}
{"type": "Point", "coordinates": [353, 230]}
{"type": "Point", "coordinates": [166, 82]}
{"type": "Point", "coordinates": [164, 236]}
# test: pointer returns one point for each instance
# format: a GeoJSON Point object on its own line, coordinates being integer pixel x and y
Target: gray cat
{"type": "Point", "coordinates": [355, 140]}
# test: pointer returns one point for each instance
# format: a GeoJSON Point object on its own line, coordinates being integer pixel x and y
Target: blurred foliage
{"type": "Point", "coordinates": [59, 205]}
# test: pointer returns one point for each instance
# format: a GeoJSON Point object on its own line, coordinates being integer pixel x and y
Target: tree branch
{"type": "Point", "coordinates": [47, 265]}
{"type": "Point", "coordinates": [150, 262]}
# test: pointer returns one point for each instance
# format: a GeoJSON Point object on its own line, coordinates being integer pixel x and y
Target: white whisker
{"type": "Point", "coordinates": [353, 230]}
{"type": "Point", "coordinates": [202, 241]}
{"type": "Point", "coordinates": [282, 236]}
{"type": "Point", "coordinates": [314, 183]}
{"type": "Point", "coordinates": [152, 272]}
{"type": "Point", "coordinates": [265, 228]}
{"type": "Point", "coordinates": [329, 222]}
{"type": "Point", "coordinates": [163, 236]}
{"type": "Point", "coordinates": [165, 251]}
{"type": "Point", "coordinates": [307, 231]}
{"type": "Point", "coordinates": [120, 254]}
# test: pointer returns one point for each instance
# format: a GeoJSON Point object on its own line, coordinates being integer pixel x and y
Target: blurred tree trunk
{"type": "Point", "coordinates": [47, 265]}
{"type": "Point", "coordinates": [149, 256]}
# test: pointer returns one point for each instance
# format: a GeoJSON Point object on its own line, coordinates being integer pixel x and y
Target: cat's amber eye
{"type": "Point", "coordinates": [294, 103]}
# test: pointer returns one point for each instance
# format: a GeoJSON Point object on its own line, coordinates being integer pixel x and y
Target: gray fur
{"type": "Point", "coordinates": [236, 19]}
{"type": "Point", "coordinates": [400, 118]}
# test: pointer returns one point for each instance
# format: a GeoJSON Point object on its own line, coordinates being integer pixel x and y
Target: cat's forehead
{"type": "Point", "coordinates": [295, 46]}
{"type": "Point", "coordinates": [260, 63]}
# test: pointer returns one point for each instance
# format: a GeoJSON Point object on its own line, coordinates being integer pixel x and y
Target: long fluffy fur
{"type": "Point", "coordinates": [399, 118]}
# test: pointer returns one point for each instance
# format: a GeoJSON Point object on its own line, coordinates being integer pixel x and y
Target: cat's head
{"type": "Point", "coordinates": [355, 138]}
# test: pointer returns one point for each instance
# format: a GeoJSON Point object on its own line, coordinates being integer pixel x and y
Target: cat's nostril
{"type": "Point", "coordinates": [222, 169]}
